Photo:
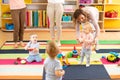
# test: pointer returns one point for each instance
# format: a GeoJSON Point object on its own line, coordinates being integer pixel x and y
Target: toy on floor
{"type": "Point", "coordinates": [69, 55]}
{"type": "Point", "coordinates": [15, 62]}
{"type": "Point", "coordinates": [61, 54]}
{"type": "Point", "coordinates": [113, 57]}
{"type": "Point", "coordinates": [65, 63]}
{"type": "Point", "coordinates": [75, 53]}
{"type": "Point", "coordinates": [63, 59]}
{"type": "Point", "coordinates": [23, 61]}
{"type": "Point", "coordinates": [18, 59]}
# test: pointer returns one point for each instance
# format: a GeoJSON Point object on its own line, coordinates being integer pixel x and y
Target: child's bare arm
{"type": "Point", "coordinates": [59, 73]}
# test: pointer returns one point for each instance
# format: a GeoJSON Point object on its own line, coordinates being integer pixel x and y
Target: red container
{"type": "Point", "coordinates": [111, 14]}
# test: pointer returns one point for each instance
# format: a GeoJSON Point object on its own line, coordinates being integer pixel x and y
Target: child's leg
{"type": "Point", "coordinates": [96, 44]}
{"type": "Point", "coordinates": [38, 58]}
{"type": "Point", "coordinates": [87, 54]}
{"type": "Point", "coordinates": [30, 58]}
{"type": "Point", "coordinates": [82, 56]}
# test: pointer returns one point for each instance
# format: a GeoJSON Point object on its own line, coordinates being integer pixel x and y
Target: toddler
{"type": "Point", "coordinates": [33, 47]}
{"type": "Point", "coordinates": [86, 38]}
{"type": "Point", "coordinates": [53, 67]}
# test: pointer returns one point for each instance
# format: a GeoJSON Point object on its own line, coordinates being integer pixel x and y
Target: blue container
{"type": "Point", "coordinates": [9, 26]}
{"type": "Point", "coordinates": [66, 18]}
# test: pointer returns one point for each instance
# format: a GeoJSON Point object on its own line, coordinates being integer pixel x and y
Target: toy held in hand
{"type": "Point", "coordinates": [30, 49]}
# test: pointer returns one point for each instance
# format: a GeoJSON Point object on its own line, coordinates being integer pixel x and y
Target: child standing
{"type": "Point", "coordinates": [18, 9]}
{"type": "Point", "coordinates": [33, 47]}
{"type": "Point", "coordinates": [86, 38]}
{"type": "Point", "coordinates": [53, 67]}
{"type": "Point", "coordinates": [55, 12]}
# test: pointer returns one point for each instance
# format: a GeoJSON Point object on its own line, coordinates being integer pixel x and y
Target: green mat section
{"type": "Point", "coordinates": [68, 42]}
{"type": "Point", "coordinates": [14, 56]}
{"type": "Point", "coordinates": [100, 42]}
{"type": "Point", "coordinates": [109, 41]}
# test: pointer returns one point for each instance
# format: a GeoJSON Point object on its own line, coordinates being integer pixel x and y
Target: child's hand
{"type": "Point", "coordinates": [59, 73]}
{"type": "Point", "coordinates": [35, 50]}
{"type": "Point", "coordinates": [30, 49]}
{"type": "Point", "coordinates": [78, 41]}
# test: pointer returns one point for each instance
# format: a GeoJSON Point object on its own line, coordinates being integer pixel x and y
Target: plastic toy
{"type": "Point", "coordinates": [23, 62]}
{"type": "Point", "coordinates": [65, 63]}
{"type": "Point", "coordinates": [15, 62]}
{"type": "Point", "coordinates": [60, 55]}
{"type": "Point", "coordinates": [75, 53]}
{"type": "Point", "coordinates": [30, 49]}
{"type": "Point", "coordinates": [69, 55]}
{"type": "Point", "coordinates": [103, 56]}
{"type": "Point", "coordinates": [18, 59]}
{"type": "Point", "coordinates": [113, 57]}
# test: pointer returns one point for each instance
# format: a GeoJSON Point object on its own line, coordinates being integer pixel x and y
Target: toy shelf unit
{"type": "Point", "coordinates": [112, 15]}
{"type": "Point", "coordinates": [99, 4]}
{"type": "Point", "coordinates": [69, 7]}
{"type": "Point", "coordinates": [36, 16]}
{"type": "Point", "coordinates": [6, 20]}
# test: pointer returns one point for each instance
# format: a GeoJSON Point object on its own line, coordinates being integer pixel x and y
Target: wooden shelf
{"type": "Point", "coordinates": [112, 18]}
{"type": "Point", "coordinates": [70, 0]}
{"type": "Point", "coordinates": [112, 29]}
{"type": "Point", "coordinates": [37, 4]}
{"type": "Point", "coordinates": [6, 18]}
{"type": "Point", "coordinates": [96, 4]}
{"type": "Point", "coordinates": [4, 4]}
{"type": "Point", "coordinates": [67, 21]}
{"type": "Point", "coordinates": [113, 4]}
{"type": "Point", "coordinates": [38, 29]}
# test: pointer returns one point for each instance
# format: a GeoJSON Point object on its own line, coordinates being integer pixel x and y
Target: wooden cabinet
{"type": "Point", "coordinates": [112, 23]}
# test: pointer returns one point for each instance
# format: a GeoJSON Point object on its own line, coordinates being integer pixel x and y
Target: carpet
{"type": "Point", "coordinates": [11, 62]}
{"type": "Point", "coordinates": [81, 72]}
{"type": "Point", "coordinates": [16, 51]}
{"type": "Point", "coordinates": [107, 50]}
{"type": "Point", "coordinates": [105, 46]}
{"type": "Point", "coordinates": [104, 61]}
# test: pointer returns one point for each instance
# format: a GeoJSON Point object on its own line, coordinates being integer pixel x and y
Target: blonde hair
{"type": "Point", "coordinates": [52, 49]}
{"type": "Point", "coordinates": [88, 26]}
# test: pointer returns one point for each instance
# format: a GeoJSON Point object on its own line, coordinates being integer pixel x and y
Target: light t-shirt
{"type": "Point", "coordinates": [33, 45]}
{"type": "Point", "coordinates": [88, 40]}
{"type": "Point", "coordinates": [16, 4]}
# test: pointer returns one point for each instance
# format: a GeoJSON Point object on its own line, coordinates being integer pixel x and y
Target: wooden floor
{"type": "Point", "coordinates": [66, 35]}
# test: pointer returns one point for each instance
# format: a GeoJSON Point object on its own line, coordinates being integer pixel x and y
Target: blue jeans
{"type": "Point", "coordinates": [87, 53]}
{"type": "Point", "coordinates": [32, 58]}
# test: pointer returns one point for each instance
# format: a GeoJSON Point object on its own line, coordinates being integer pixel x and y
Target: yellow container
{"type": "Point", "coordinates": [28, 1]}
